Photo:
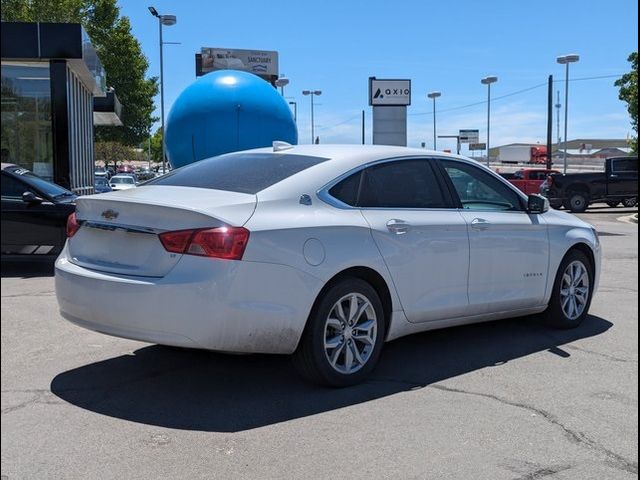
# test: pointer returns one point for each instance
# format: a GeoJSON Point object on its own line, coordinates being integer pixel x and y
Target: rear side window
{"type": "Point", "coordinates": [401, 184]}
{"type": "Point", "coordinates": [347, 190]}
{"type": "Point", "coordinates": [238, 172]}
{"type": "Point", "coordinates": [622, 165]}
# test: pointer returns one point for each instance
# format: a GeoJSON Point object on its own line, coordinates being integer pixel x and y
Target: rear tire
{"type": "Point", "coordinates": [630, 202]}
{"type": "Point", "coordinates": [572, 291]}
{"type": "Point", "coordinates": [578, 202]}
{"type": "Point", "coordinates": [344, 335]}
{"type": "Point", "coordinates": [613, 204]}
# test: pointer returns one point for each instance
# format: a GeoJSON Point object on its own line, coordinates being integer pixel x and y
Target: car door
{"type": "Point", "coordinates": [509, 248]}
{"type": "Point", "coordinates": [623, 178]}
{"type": "Point", "coordinates": [28, 228]}
{"type": "Point", "coordinates": [424, 243]}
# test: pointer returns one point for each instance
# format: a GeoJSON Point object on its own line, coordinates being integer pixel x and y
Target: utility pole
{"type": "Point", "coordinates": [558, 106]}
{"type": "Point", "coordinates": [362, 127]}
{"type": "Point", "coordinates": [549, 121]}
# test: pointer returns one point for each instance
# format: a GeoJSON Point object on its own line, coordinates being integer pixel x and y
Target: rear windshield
{"type": "Point", "coordinates": [238, 172]}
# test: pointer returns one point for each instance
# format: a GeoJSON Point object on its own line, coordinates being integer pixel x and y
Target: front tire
{"type": "Point", "coordinates": [572, 290]}
{"type": "Point", "coordinates": [630, 202]}
{"type": "Point", "coordinates": [343, 338]}
{"type": "Point", "coordinates": [613, 203]}
{"type": "Point", "coordinates": [578, 202]}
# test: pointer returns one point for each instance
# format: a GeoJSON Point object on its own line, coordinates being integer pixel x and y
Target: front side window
{"type": "Point", "coordinates": [479, 190]}
{"type": "Point", "coordinates": [400, 184]}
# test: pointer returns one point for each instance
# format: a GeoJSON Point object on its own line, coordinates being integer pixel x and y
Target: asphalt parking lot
{"type": "Point", "coordinates": [502, 400]}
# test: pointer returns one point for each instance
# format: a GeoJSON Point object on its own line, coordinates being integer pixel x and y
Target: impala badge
{"type": "Point", "coordinates": [109, 214]}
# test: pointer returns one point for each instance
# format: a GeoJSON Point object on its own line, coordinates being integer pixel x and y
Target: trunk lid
{"type": "Point", "coordinates": [119, 230]}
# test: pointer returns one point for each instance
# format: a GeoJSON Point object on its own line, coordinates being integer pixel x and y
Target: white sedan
{"type": "Point", "coordinates": [122, 182]}
{"type": "Point", "coordinates": [324, 252]}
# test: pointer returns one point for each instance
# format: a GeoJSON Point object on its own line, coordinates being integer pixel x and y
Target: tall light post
{"type": "Point", "coordinates": [167, 20]}
{"type": "Point", "coordinates": [488, 81]}
{"type": "Point", "coordinates": [566, 60]}
{"type": "Point", "coordinates": [312, 93]}
{"type": "Point", "coordinates": [433, 96]}
{"type": "Point", "coordinates": [295, 110]}
{"type": "Point", "coordinates": [282, 82]}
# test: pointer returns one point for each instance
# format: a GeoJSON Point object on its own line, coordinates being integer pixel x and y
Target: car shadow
{"type": "Point", "coordinates": [27, 268]}
{"type": "Point", "coordinates": [206, 391]}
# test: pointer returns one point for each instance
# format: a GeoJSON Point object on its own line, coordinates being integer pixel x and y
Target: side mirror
{"type": "Point", "coordinates": [537, 204]}
{"type": "Point", "coordinates": [31, 198]}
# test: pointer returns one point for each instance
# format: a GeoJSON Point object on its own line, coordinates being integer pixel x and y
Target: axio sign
{"type": "Point", "coordinates": [389, 92]}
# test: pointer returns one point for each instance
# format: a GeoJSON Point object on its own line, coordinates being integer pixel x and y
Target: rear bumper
{"type": "Point", "coordinates": [554, 201]}
{"type": "Point", "coordinates": [230, 306]}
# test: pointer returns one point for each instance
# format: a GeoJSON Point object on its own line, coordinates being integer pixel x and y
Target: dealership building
{"type": "Point", "coordinates": [53, 93]}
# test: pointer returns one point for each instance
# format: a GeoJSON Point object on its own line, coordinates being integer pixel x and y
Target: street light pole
{"type": "Point", "coordinates": [566, 60]}
{"type": "Point", "coordinates": [488, 81]}
{"type": "Point", "coordinates": [167, 20]}
{"type": "Point", "coordinates": [282, 82]}
{"type": "Point", "coordinates": [312, 93]}
{"type": "Point", "coordinates": [434, 95]}
{"type": "Point", "coordinates": [295, 111]}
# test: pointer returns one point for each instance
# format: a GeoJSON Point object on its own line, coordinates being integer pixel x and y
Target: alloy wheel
{"type": "Point", "coordinates": [350, 333]}
{"type": "Point", "coordinates": [574, 290]}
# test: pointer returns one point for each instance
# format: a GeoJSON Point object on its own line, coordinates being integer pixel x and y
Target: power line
{"type": "Point", "coordinates": [341, 123]}
{"type": "Point", "coordinates": [483, 102]}
{"type": "Point", "coordinates": [518, 92]}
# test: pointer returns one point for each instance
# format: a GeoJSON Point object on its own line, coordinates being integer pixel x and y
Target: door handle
{"type": "Point", "coordinates": [398, 226]}
{"type": "Point", "coordinates": [480, 224]}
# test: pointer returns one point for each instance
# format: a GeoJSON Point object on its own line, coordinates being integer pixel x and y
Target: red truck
{"type": "Point", "coordinates": [529, 180]}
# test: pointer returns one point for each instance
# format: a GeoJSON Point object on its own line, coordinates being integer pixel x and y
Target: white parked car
{"type": "Point", "coordinates": [122, 181]}
{"type": "Point", "coordinates": [324, 252]}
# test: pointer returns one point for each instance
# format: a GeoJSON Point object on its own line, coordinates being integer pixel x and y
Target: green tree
{"type": "Point", "coordinates": [156, 146]}
{"type": "Point", "coordinates": [628, 85]}
{"type": "Point", "coordinates": [114, 153]}
{"type": "Point", "coordinates": [120, 52]}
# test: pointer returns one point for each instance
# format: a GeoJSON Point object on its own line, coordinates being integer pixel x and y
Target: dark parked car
{"type": "Point", "coordinates": [576, 191]}
{"type": "Point", "coordinates": [101, 185]}
{"type": "Point", "coordinates": [34, 214]}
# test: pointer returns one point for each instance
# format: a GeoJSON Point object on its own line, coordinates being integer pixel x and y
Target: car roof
{"type": "Point", "coordinates": [341, 159]}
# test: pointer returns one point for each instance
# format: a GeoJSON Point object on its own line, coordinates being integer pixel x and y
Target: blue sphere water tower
{"type": "Point", "coordinates": [226, 111]}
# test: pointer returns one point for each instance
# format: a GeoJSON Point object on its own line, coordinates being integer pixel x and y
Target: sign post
{"type": "Point", "coordinates": [389, 99]}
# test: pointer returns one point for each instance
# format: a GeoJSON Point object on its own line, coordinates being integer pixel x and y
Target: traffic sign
{"type": "Point", "coordinates": [477, 146]}
{"type": "Point", "coordinates": [469, 136]}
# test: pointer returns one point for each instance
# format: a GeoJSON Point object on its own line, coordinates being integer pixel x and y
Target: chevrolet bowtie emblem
{"type": "Point", "coordinates": [109, 214]}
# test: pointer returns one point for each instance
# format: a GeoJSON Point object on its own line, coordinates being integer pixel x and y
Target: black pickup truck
{"type": "Point", "coordinates": [576, 191]}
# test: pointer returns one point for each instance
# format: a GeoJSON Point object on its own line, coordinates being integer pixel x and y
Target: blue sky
{"type": "Point", "coordinates": [447, 46]}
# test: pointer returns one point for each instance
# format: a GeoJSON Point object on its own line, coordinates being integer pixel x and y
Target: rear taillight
{"type": "Point", "coordinates": [223, 242]}
{"type": "Point", "coordinates": [72, 225]}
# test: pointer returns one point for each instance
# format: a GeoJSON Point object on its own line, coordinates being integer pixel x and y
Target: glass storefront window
{"type": "Point", "coordinates": [26, 117]}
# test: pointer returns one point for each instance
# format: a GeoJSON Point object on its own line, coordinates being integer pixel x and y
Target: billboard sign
{"type": "Point", "coordinates": [469, 136]}
{"type": "Point", "coordinates": [389, 93]}
{"type": "Point", "coordinates": [263, 63]}
{"type": "Point", "coordinates": [477, 146]}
